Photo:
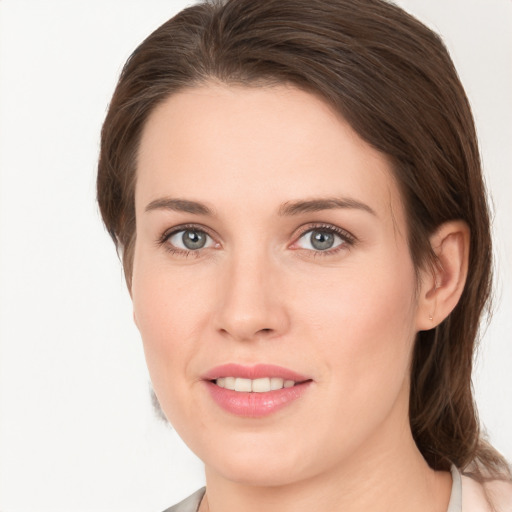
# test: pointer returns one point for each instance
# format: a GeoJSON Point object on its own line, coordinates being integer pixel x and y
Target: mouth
{"type": "Point", "coordinates": [255, 391]}
{"type": "Point", "coordinates": [261, 385]}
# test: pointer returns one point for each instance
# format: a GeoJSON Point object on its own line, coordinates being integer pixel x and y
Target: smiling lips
{"type": "Point", "coordinates": [254, 391]}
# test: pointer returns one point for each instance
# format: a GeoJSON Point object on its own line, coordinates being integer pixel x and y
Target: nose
{"type": "Point", "coordinates": [250, 303]}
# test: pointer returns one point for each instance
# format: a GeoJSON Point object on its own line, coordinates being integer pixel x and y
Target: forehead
{"type": "Point", "coordinates": [242, 147]}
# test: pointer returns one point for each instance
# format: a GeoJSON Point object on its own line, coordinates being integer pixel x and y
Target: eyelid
{"type": "Point", "coordinates": [345, 235]}
{"type": "Point", "coordinates": [168, 233]}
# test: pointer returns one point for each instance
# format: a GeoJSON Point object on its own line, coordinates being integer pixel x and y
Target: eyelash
{"type": "Point", "coordinates": [348, 239]}
{"type": "Point", "coordinates": [163, 240]}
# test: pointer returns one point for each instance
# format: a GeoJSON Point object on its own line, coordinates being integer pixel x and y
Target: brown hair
{"type": "Point", "coordinates": [392, 79]}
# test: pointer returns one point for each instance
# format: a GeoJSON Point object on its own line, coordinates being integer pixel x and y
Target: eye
{"type": "Point", "coordinates": [322, 239]}
{"type": "Point", "coordinates": [190, 240]}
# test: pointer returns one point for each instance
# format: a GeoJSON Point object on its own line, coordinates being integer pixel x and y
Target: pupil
{"type": "Point", "coordinates": [322, 240]}
{"type": "Point", "coordinates": [194, 239]}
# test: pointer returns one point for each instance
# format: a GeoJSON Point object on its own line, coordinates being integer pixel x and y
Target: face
{"type": "Point", "coordinates": [272, 283]}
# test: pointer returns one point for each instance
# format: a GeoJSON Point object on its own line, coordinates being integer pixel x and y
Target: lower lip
{"type": "Point", "coordinates": [255, 405]}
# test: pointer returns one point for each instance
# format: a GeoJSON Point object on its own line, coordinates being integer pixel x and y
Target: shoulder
{"type": "Point", "coordinates": [190, 504]}
{"type": "Point", "coordinates": [491, 496]}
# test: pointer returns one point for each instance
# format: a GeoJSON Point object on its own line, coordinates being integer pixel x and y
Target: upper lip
{"type": "Point", "coordinates": [257, 371]}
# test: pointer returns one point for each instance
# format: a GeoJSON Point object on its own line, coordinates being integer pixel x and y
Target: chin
{"type": "Point", "coordinates": [260, 475]}
{"type": "Point", "coordinates": [263, 461]}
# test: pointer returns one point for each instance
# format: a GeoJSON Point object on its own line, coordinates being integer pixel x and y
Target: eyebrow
{"type": "Point", "coordinates": [316, 205]}
{"type": "Point", "coordinates": [179, 205]}
{"type": "Point", "coordinates": [287, 209]}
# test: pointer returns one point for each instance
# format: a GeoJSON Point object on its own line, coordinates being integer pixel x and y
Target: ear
{"type": "Point", "coordinates": [443, 283]}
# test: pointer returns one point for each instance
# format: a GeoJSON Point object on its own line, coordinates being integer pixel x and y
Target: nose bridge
{"type": "Point", "coordinates": [249, 303]}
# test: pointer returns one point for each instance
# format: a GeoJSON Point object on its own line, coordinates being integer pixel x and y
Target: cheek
{"type": "Point", "coordinates": [363, 327]}
{"type": "Point", "coordinates": [361, 333]}
{"type": "Point", "coordinates": [361, 299]}
{"type": "Point", "coordinates": [170, 313]}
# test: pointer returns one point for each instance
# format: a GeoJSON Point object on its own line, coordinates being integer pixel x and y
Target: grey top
{"type": "Point", "coordinates": [191, 504]}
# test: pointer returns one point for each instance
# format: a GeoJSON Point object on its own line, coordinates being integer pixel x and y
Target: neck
{"type": "Point", "coordinates": [383, 476]}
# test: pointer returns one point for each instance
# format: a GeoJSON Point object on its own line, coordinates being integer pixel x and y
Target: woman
{"type": "Point", "coordinates": [296, 190]}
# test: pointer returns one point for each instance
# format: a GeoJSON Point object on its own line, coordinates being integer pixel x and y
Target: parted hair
{"type": "Point", "coordinates": [392, 79]}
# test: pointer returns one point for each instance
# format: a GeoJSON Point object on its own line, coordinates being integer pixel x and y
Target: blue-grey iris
{"type": "Point", "coordinates": [194, 239]}
{"type": "Point", "coordinates": [322, 240]}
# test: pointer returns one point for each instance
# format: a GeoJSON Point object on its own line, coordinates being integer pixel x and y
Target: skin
{"type": "Point", "coordinates": [259, 292]}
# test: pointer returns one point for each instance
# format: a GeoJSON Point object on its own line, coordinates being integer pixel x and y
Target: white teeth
{"type": "Point", "coordinates": [243, 384]}
{"type": "Point", "coordinates": [276, 383]}
{"type": "Point", "coordinates": [262, 385]}
{"type": "Point", "coordinates": [229, 382]}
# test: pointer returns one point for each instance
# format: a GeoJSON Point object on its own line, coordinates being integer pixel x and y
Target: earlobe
{"type": "Point", "coordinates": [442, 284]}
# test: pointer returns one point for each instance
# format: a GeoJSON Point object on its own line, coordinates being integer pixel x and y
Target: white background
{"type": "Point", "coordinates": [77, 432]}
